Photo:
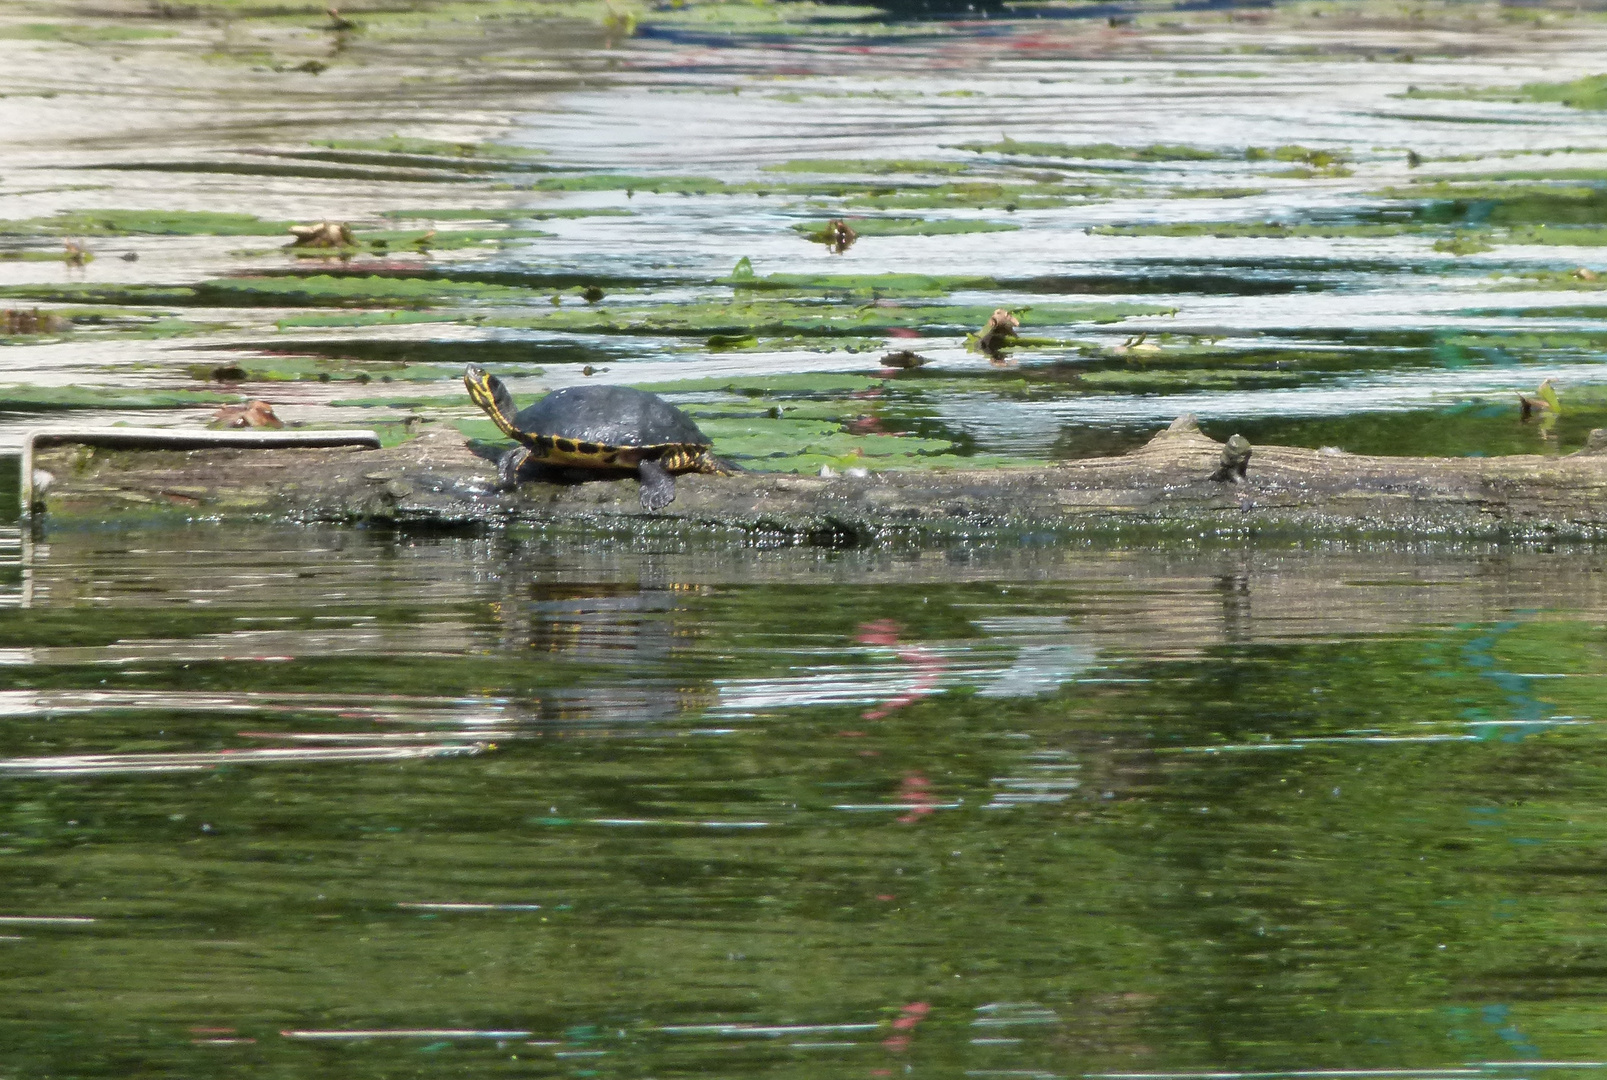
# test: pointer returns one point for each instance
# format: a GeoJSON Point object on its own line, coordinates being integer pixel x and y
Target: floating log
{"type": "Point", "coordinates": [1180, 478]}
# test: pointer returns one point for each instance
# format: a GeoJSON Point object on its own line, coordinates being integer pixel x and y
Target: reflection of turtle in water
{"type": "Point", "coordinates": [598, 427]}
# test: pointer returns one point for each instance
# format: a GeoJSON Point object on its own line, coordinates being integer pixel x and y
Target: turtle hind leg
{"type": "Point", "coordinates": [510, 466]}
{"type": "Point", "coordinates": [709, 464]}
{"type": "Point", "coordinates": [658, 486]}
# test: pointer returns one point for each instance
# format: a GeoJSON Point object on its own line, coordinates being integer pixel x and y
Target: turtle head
{"type": "Point", "coordinates": [487, 391]}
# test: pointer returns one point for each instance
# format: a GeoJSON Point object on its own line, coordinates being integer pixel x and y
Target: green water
{"type": "Point", "coordinates": [516, 806]}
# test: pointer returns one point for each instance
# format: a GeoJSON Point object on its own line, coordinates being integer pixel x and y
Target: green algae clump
{"type": "Point", "coordinates": [1589, 92]}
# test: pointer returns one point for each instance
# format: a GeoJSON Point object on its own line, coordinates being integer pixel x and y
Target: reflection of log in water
{"type": "Point", "coordinates": [435, 480]}
{"type": "Point", "coordinates": [1158, 601]}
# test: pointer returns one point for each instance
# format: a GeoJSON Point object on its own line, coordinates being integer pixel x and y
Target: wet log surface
{"type": "Point", "coordinates": [435, 479]}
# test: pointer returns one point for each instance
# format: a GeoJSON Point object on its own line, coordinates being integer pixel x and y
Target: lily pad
{"type": "Point", "coordinates": [869, 166]}
{"type": "Point", "coordinates": [416, 402]}
{"type": "Point", "coordinates": [1301, 155]}
{"type": "Point", "coordinates": [380, 240]}
{"type": "Point", "coordinates": [674, 185]}
{"type": "Point", "coordinates": [1268, 230]}
{"type": "Point", "coordinates": [1560, 280]}
{"type": "Point", "coordinates": [82, 34]}
{"type": "Point", "coordinates": [1464, 244]}
{"type": "Point", "coordinates": [530, 214]}
{"type": "Point", "coordinates": [364, 318]}
{"type": "Point", "coordinates": [769, 385]}
{"type": "Point", "coordinates": [96, 293]}
{"type": "Point", "coordinates": [78, 257]}
{"type": "Point", "coordinates": [145, 223]}
{"type": "Point", "coordinates": [1512, 205]}
{"type": "Point", "coordinates": [342, 290]}
{"type": "Point", "coordinates": [981, 195]}
{"type": "Point", "coordinates": [859, 284]}
{"type": "Point", "coordinates": [51, 398]}
{"type": "Point", "coordinates": [396, 144]}
{"type": "Point", "coordinates": [498, 355]}
{"type": "Point", "coordinates": [1589, 92]}
{"type": "Point", "coordinates": [774, 445]}
{"type": "Point", "coordinates": [771, 318]}
{"type": "Point", "coordinates": [292, 368]}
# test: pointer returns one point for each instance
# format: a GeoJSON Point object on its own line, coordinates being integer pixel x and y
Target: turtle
{"type": "Point", "coordinates": [598, 427]}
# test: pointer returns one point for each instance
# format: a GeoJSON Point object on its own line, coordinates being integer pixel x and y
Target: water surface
{"type": "Point", "coordinates": [303, 799]}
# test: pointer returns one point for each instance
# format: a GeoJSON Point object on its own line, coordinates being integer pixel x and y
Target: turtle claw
{"type": "Point", "coordinates": [509, 466]}
{"type": "Point", "coordinates": [658, 486]}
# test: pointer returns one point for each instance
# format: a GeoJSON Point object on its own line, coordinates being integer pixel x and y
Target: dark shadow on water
{"type": "Point", "coordinates": [444, 353]}
{"type": "Point", "coordinates": [10, 489]}
{"type": "Point", "coordinates": [1267, 277]}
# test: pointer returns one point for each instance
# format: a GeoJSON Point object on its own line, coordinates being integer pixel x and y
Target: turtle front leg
{"type": "Point", "coordinates": [509, 466]}
{"type": "Point", "coordinates": [658, 486]}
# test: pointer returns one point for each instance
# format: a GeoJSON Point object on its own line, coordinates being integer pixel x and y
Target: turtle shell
{"type": "Point", "coordinates": [609, 416]}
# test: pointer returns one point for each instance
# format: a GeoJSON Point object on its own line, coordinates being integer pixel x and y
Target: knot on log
{"type": "Point", "coordinates": [1235, 460]}
{"type": "Point", "coordinates": [1595, 443]}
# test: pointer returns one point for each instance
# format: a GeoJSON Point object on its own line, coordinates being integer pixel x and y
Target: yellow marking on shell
{"type": "Point", "coordinates": [570, 452]}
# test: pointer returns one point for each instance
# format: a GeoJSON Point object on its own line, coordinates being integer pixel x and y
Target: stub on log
{"type": "Point", "coordinates": [435, 479]}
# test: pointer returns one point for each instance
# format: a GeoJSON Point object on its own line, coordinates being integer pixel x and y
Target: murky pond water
{"type": "Point", "coordinates": [306, 800]}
